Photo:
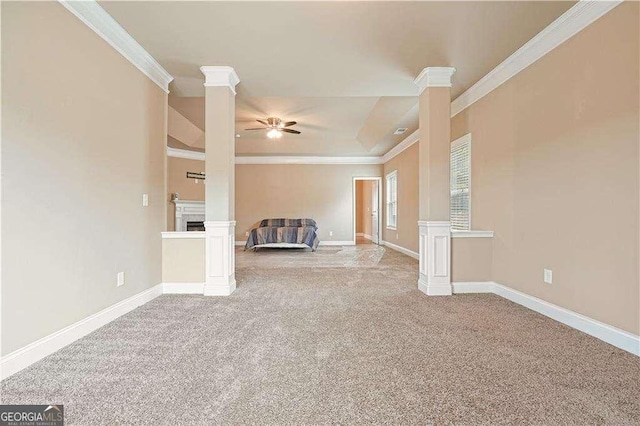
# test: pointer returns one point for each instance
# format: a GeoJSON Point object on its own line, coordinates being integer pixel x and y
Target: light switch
{"type": "Point", "coordinates": [145, 200]}
{"type": "Point", "coordinates": [548, 276]}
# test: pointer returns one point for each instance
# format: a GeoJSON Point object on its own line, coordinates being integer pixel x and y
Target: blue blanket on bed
{"type": "Point", "coordinates": [294, 231]}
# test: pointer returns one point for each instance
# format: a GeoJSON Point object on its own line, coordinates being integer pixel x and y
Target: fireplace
{"type": "Point", "coordinates": [189, 215]}
{"type": "Point", "coordinates": [195, 226]}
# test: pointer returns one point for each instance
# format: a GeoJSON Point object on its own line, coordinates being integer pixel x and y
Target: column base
{"type": "Point", "coordinates": [220, 289]}
{"type": "Point", "coordinates": [435, 258]}
{"type": "Point", "coordinates": [435, 289]}
{"type": "Point", "coordinates": [220, 258]}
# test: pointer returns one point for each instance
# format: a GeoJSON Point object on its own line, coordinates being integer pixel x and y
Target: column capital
{"type": "Point", "coordinates": [220, 76]}
{"type": "Point", "coordinates": [434, 77]}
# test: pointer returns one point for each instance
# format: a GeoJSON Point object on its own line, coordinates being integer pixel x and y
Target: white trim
{"type": "Point", "coordinates": [607, 333]}
{"type": "Point", "coordinates": [581, 15]}
{"type": "Point", "coordinates": [96, 18]}
{"type": "Point", "coordinates": [434, 258]}
{"type": "Point", "coordinates": [406, 143]}
{"type": "Point", "coordinates": [472, 287]}
{"type": "Point", "coordinates": [359, 234]}
{"type": "Point", "coordinates": [433, 223]}
{"type": "Point", "coordinates": [400, 249]}
{"type": "Point", "coordinates": [220, 262]}
{"type": "Point", "coordinates": [33, 352]}
{"type": "Point", "coordinates": [281, 159]}
{"type": "Point", "coordinates": [183, 288]}
{"type": "Point", "coordinates": [183, 153]}
{"type": "Point", "coordinates": [183, 235]}
{"type": "Point", "coordinates": [220, 76]}
{"type": "Point", "coordinates": [367, 236]}
{"type": "Point", "coordinates": [254, 159]}
{"type": "Point", "coordinates": [240, 243]}
{"type": "Point", "coordinates": [337, 243]}
{"type": "Point", "coordinates": [434, 77]}
{"type": "Point", "coordinates": [471, 234]}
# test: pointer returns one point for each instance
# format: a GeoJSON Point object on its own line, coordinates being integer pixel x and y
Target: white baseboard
{"type": "Point", "coordinates": [219, 289]}
{"type": "Point", "coordinates": [607, 333]}
{"type": "Point", "coordinates": [33, 352]}
{"type": "Point", "coordinates": [337, 243]}
{"type": "Point", "coordinates": [400, 249]}
{"type": "Point", "coordinates": [183, 288]}
{"type": "Point", "coordinates": [240, 243]}
{"type": "Point", "coordinates": [473, 287]}
{"type": "Point", "coordinates": [359, 234]}
{"type": "Point", "coordinates": [435, 289]}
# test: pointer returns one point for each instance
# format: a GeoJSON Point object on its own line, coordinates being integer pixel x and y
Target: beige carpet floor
{"type": "Point", "coordinates": [363, 256]}
{"type": "Point", "coordinates": [350, 345]}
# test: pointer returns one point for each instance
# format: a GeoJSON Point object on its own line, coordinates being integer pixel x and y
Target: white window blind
{"type": "Point", "coordinates": [461, 183]}
{"type": "Point", "coordinates": [392, 199]}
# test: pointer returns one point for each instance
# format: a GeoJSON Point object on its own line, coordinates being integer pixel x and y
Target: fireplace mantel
{"type": "Point", "coordinates": [188, 211]}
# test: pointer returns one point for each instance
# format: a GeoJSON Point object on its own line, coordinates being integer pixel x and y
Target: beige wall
{"type": "Point", "coordinates": [555, 172]}
{"type": "Point", "coordinates": [471, 259]}
{"type": "Point", "coordinates": [177, 181]}
{"type": "Point", "coordinates": [83, 137]}
{"type": "Point", "coordinates": [321, 192]}
{"type": "Point", "coordinates": [406, 234]}
{"type": "Point", "coordinates": [183, 260]}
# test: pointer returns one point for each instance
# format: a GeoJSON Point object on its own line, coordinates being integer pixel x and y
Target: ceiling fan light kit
{"type": "Point", "coordinates": [276, 127]}
{"type": "Point", "coordinates": [274, 134]}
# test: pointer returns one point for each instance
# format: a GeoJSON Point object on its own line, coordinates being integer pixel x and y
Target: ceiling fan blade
{"type": "Point", "coordinates": [263, 122]}
{"type": "Point", "coordinates": [258, 128]}
{"type": "Point", "coordinates": [289, 123]}
{"type": "Point", "coordinates": [295, 132]}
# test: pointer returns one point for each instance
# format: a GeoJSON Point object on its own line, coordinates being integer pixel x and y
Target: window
{"type": "Point", "coordinates": [392, 199]}
{"type": "Point", "coordinates": [461, 183]}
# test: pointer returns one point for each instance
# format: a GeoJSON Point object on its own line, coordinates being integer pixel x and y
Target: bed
{"type": "Point", "coordinates": [284, 233]}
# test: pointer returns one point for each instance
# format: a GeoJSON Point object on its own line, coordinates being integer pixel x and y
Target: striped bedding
{"type": "Point", "coordinates": [291, 231]}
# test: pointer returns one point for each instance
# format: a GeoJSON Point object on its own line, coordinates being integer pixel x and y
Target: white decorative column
{"type": "Point", "coordinates": [434, 191]}
{"type": "Point", "coordinates": [220, 111]}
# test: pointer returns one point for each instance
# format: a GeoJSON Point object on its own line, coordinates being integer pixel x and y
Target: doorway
{"type": "Point", "coordinates": [367, 193]}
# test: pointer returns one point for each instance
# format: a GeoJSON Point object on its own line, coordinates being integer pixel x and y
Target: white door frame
{"type": "Point", "coordinates": [353, 205]}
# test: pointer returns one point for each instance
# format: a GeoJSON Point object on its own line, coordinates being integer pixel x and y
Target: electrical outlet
{"type": "Point", "coordinates": [331, 233]}
{"type": "Point", "coordinates": [120, 279]}
{"type": "Point", "coordinates": [548, 276]}
{"type": "Point", "coordinates": [145, 200]}
{"type": "Point", "coordinates": [246, 234]}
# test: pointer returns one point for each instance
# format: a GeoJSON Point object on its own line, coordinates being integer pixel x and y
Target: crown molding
{"type": "Point", "coordinates": [406, 143]}
{"type": "Point", "coordinates": [434, 77]}
{"type": "Point", "coordinates": [183, 153]}
{"type": "Point", "coordinates": [220, 76]}
{"type": "Point", "coordinates": [281, 159]}
{"type": "Point", "coordinates": [96, 18]}
{"type": "Point", "coordinates": [307, 160]}
{"type": "Point", "coordinates": [581, 15]}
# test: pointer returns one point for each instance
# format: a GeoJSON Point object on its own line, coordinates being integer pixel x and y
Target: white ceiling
{"type": "Point", "coordinates": [331, 66]}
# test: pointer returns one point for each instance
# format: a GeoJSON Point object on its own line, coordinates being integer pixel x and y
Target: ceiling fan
{"type": "Point", "coordinates": [276, 127]}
